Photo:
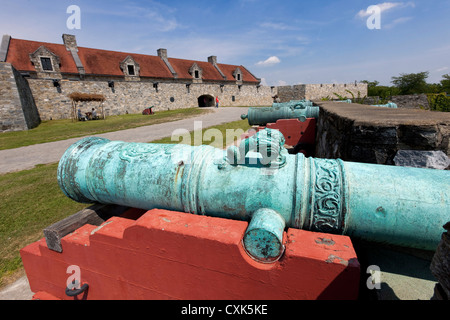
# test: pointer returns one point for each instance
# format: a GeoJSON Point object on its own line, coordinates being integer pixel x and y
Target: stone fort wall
{"type": "Point", "coordinates": [17, 107]}
{"type": "Point", "coordinates": [320, 91]}
{"type": "Point", "coordinates": [24, 102]}
{"type": "Point", "coordinates": [135, 96]}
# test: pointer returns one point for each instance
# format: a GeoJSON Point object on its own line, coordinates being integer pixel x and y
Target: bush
{"type": "Point", "coordinates": [439, 102]}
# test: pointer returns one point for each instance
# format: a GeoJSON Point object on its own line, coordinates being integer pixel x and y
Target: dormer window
{"type": "Point", "coordinates": [46, 64]}
{"type": "Point", "coordinates": [237, 74]}
{"type": "Point", "coordinates": [130, 69]}
{"type": "Point", "coordinates": [196, 72]}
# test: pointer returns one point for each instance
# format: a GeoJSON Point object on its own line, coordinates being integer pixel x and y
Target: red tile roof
{"type": "Point", "coordinates": [19, 50]}
{"type": "Point", "coordinates": [182, 67]}
{"type": "Point", "coordinates": [228, 70]}
{"type": "Point", "coordinates": [105, 62]}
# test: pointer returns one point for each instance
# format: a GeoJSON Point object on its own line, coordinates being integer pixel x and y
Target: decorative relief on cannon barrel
{"type": "Point", "coordinates": [328, 196]}
{"type": "Point", "coordinates": [141, 152]}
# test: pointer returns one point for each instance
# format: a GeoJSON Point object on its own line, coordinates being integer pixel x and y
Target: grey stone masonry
{"type": "Point", "coordinates": [362, 133]}
{"type": "Point", "coordinates": [17, 108]}
{"type": "Point", "coordinates": [135, 96]}
{"type": "Point", "coordinates": [4, 46]}
{"type": "Point", "coordinates": [322, 91]}
{"type": "Point", "coordinates": [70, 41]}
{"type": "Point", "coordinates": [416, 101]}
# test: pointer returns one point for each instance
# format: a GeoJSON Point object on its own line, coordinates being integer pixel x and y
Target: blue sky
{"type": "Point", "coordinates": [282, 42]}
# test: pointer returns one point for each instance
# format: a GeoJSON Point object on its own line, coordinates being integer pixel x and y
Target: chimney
{"type": "Point", "coordinates": [162, 53]}
{"type": "Point", "coordinates": [212, 60]}
{"type": "Point", "coordinates": [70, 41]}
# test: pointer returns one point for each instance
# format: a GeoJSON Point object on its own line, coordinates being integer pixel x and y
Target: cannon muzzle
{"type": "Point", "coordinates": [261, 183]}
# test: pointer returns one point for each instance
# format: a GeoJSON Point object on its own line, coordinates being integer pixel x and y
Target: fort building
{"type": "Point", "coordinates": [37, 77]}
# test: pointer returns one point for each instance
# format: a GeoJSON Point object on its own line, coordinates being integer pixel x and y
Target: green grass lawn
{"type": "Point", "coordinates": [31, 200]}
{"type": "Point", "coordinates": [218, 136]}
{"type": "Point", "coordinates": [56, 130]}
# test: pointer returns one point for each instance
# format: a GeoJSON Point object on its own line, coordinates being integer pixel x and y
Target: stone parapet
{"type": "Point", "coordinates": [362, 133]}
{"type": "Point", "coordinates": [322, 91]}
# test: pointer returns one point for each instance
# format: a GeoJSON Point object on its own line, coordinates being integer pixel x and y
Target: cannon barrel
{"type": "Point", "coordinates": [261, 183]}
{"type": "Point", "coordinates": [390, 105]}
{"type": "Point", "coordinates": [296, 104]}
{"type": "Point", "coordinates": [264, 115]}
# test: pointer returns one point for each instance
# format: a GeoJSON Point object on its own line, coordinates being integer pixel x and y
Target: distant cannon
{"type": "Point", "coordinates": [296, 104]}
{"type": "Point", "coordinates": [261, 183]}
{"type": "Point", "coordinates": [388, 105]}
{"type": "Point", "coordinates": [262, 116]}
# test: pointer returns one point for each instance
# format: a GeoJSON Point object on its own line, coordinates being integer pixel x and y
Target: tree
{"type": "Point", "coordinates": [411, 83]}
{"type": "Point", "coordinates": [445, 83]}
{"type": "Point", "coordinates": [383, 92]}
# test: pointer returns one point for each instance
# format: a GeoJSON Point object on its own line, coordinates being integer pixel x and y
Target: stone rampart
{"type": "Point", "coordinates": [17, 108]}
{"type": "Point", "coordinates": [321, 91]}
{"type": "Point", "coordinates": [362, 133]}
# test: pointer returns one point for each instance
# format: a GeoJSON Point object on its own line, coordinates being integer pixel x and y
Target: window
{"type": "Point", "coordinates": [131, 70]}
{"type": "Point", "coordinates": [197, 75]}
{"type": "Point", "coordinates": [46, 64]}
{"type": "Point", "coordinates": [237, 74]}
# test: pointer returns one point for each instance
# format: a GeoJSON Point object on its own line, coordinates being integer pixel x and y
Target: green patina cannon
{"type": "Point", "coordinates": [261, 183]}
{"type": "Point", "coordinates": [390, 105]}
{"type": "Point", "coordinates": [296, 104]}
{"type": "Point", "coordinates": [262, 116]}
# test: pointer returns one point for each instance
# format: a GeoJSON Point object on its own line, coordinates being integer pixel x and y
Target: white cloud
{"type": "Point", "coordinates": [269, 62]}
{"type": "Point", "coordinates": [441, 69]}
{"type": "Point", "coordinates": [396, 22]}
{"type": "Point", "coordinates": [385, 6]}
{"type": "Point", "coordinates": [277, 26]}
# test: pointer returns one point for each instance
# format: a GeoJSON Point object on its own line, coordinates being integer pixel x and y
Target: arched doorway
{"type": "Point", "coordinates": [206, 101]}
